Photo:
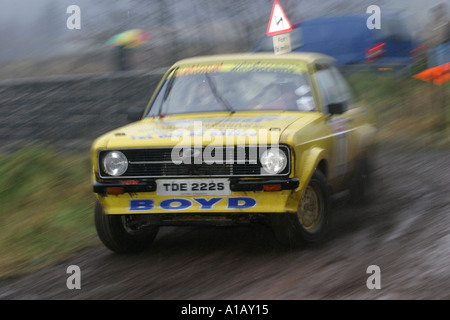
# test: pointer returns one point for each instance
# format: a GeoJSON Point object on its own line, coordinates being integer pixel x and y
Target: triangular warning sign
{"type": "Point", "coordinates": [278, 23]}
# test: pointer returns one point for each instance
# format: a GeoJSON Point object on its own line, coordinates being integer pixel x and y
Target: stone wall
{"type": "Point", "coordinates": [69, 112]}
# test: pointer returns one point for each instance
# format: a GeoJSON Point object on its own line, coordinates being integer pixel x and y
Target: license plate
{"type": "Point", "coordinates": [193, 187]}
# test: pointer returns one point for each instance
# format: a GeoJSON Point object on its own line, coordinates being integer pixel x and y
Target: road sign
{"type": "Point", "coordinates": [282, 43]}
{"type": "Point", "coordinates": [278, 23]}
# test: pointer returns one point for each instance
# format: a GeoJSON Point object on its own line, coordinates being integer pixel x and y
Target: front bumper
{"type": "Point", "coordinates": [247, 196]}
{"type": "Point", "coordinates": [236, 185]}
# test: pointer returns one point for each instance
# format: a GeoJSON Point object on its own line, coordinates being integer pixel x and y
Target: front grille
{"type": "Point", "coordinates": [239, 161]}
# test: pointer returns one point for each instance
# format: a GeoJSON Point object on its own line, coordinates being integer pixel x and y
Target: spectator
{"type": "Point", "coordinates": [122, 58]}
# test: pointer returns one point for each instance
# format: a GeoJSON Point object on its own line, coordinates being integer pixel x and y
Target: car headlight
{"type": "Point", "coordinates": [115, 163]}
{"type": "Point", "coordinates": [273, 161]}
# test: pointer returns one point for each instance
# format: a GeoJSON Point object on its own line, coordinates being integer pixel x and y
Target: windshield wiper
{"type": "Point", "coordinates": [218, 96]}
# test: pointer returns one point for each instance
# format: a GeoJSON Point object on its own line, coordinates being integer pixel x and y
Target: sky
{"type": "Point", "coordinates": [27, 9]}
{"type": "Point", "coordinates": [21, 20]}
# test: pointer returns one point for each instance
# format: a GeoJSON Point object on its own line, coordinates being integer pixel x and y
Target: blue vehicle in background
{"type": "Point", "coordinates": [348, 39]}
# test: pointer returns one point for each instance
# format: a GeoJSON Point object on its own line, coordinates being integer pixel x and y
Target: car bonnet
{"type": "Point", "coordinates": [212, 129]}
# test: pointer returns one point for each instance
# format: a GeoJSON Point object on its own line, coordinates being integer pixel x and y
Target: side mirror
{"type": "Point", "coordinates": [336, 108]}
{"type": "Point", "coordinates": [135, 113]}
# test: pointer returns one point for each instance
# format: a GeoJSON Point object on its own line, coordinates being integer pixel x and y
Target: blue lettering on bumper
{"type": "Point", "coordinates": [183, 204]}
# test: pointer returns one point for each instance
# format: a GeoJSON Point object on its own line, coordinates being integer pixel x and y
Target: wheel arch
{"type": "Point", "coordinates": [314, 158]}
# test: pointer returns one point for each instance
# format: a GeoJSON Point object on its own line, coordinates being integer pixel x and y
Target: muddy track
{"type": "Point", "coordinates": [404, 231]}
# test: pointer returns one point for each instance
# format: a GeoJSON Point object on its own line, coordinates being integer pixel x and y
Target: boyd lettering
{"type": "Point", "coordinates": [183, 203]}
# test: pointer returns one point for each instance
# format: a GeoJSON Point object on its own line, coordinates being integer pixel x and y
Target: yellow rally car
{"type": "Point", "coordinates": [233, 139]}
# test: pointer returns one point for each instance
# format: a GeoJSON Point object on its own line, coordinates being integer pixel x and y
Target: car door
{"type": "Point", "coordinates": [336, 102]}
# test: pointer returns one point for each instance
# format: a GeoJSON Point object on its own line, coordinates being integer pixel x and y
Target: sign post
{"type": "Point", "coordinates": [279, 28]}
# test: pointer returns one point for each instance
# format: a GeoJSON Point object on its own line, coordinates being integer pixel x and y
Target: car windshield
{"type": "Point", "coordinates": [234, 87]}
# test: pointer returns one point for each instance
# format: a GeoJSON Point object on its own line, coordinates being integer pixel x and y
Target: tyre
{"type": "Point", "coordinates": [124, 233]}
{"type": "Point", "coordinates": [310, 223]}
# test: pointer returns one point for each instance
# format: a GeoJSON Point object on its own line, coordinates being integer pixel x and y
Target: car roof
{"type": "Point", "coordinates": [306, 57]}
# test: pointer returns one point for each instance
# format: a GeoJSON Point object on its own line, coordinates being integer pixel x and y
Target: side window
{"type": "Point", "coordinates": [328, 89]}
{"type": "Point", "coordinates": [345, 93]}
{"type": "Point", "coordinates": [333, 87]}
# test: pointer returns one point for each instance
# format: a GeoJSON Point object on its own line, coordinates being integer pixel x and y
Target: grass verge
{"type": "Point", "coordinates": [46, 209]}
{"type": "Point", "coordinates": [409, 112]}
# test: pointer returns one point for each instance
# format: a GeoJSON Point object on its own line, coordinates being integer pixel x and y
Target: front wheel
{"type": "Point", "coordinates": [124, 233]}
{"type": "Point", "coordinates": [310, 223]}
